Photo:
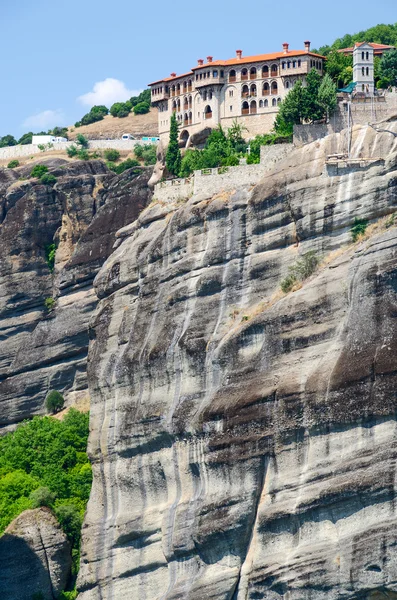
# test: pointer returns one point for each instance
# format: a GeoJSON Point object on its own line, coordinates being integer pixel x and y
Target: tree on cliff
{"type": "Point", "coordinates": [327, 95]}
{"type": "Point", "coordinates": [290, 112]}
{"type": "Point", "coordinates": [340, 68]}
{"type": "Point", "coordinates": [173, 156]}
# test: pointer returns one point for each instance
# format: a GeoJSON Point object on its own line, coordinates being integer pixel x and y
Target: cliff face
{"type": "Point", "coordinates": [42, 350]}
{"type": "Point", "coordinates": [243, 440]}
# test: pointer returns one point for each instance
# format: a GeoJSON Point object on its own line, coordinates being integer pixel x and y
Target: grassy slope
{"type": "Point", "coordinates": [112, 127]}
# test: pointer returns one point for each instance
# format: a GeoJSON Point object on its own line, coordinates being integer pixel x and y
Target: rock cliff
{"type": "Point", "coordinates": [35, 557]}
{"type": "Point", "coordinates": [244, 441]}
{"type": "Point", "coordinates": [40, 349]}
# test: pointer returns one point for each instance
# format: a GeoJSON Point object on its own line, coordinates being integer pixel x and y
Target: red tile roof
{"type": "Point", "coordinates": [243, 60]}
{"type": "Point", "coordinates": [378, 48]}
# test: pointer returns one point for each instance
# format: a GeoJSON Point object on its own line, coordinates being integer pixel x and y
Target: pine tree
{"type": "Point", "coordinates": [173, 156]}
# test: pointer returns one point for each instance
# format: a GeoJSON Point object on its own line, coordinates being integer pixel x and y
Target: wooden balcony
{"type": "Point", "coordinates": [245, 111]}
{"type": "Point", "coordinates": [208, 115]}
{"type": "Point", "coordinates": [232, 79]}
{"type": "Point", "coordinates": [253, 75]}
{"type": "Point", "coordinates": [189, 88]}
{"type": "Point", "coordinates": [244, 77]}
{"type": "Point", "coordinates": [273, 73]}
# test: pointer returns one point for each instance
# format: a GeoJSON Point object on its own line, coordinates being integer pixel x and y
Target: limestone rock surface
{"type": "Point", "coordinates": [42, 350]}
{"type": "Point", "coordinates": [244, 441]}
{"type": "Point", "coordinates": [35, 557]}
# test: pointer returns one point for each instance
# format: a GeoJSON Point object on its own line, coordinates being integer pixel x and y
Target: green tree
{"type": "Point", "coordinates": [7, 140]}
{"type": "Point", "coordinates": [26, 138]}
{"type": "Point", "coordinates": [311, 109]}
{"type": "Point", "coordinates": [82, 140]}
{"type": "Point", "coordinates": [13, 163]}
{"type": "Point", "coordinates": [291, 111]}
{"type": "Point", "coordinates": [327, 95]}
{"type": "Point", "coordinates": [388, 67]}
{"type": "Point", "coordinates": [48, 179]}
{"type": "Point", "coordinates": [339, 67]}
{"type": "Point", "coordinates": [112, 154]}
{"type": "Point", "coordinates": [173, 156]}
{"type": "Point", "coordinates": [42, 496]}
{"type": "Point", "coordinates": [120, 109]}
{"type": "Point", "coordinates": [38, 171]}
{"type": "Point", "coordinates": [141, 108]}
{"type": "Point", "coordinates": [54, 401]}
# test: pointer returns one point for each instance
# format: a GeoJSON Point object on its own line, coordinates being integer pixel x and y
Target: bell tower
{"type": "Point", "coordinates": [363, 68]}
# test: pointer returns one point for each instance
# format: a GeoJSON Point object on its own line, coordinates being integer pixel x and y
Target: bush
{"type": "Point", "coordinates": [82, 140]}
{"type": "Point", "coordinates": [120, 109]}
{"type": "Point", "coordinates": [142, 108]}
{"type": "Point", "coordinates": [83, 154]}
{"type": "Point", "coordinates": [72, 151]}
{"type": "Point", "coordinates": [147, 153]}
{"type": "Point", "coordinates": [77, 124]}
{"type": "Point", "coordinates": [54, 401]}
{"type": "Point", "coordinates": [26, 138]}
{"type": "Point", "coordinates": [42, 497]}
{"type": "Point", "coordinates": [49, 303]}
{"type": "Point", "coordinates": [13, 163]}
{"type": "Point", "coordinates": [123, 166]}
{"type": "Point", "coordinates": [38, 171]}
{"type": "Point", "coordinates": [48, 179]}
{"type": "Point", "coordinates": [96, 114]}
{"type": "Point", "coordinates": [301, 270]}
{"type": "Point", "coordinates": [71, 520]}
{"type": "Point", "coordinates": [358, 228]}
{"type": "Point", "coordinates": [111, 154]}
{"type": "Point", "coordinates": [50, 251]}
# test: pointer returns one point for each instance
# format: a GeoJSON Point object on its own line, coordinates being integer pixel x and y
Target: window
{"type": "Point", "coordinates": [232, 75]}
{"type": "Point", "coordinates": [278, 100]}
{"type": "Point", "coordinates": [274, 88]}
{"type": "Point", "coordinates": [244, 74]}
{"type": "Point", "coordinates": [367, 71]}
{"type": "Point", "coordinates": [230, 93]}
{"type": "Point", "coordinates": [245, 91]}
{"type": "Point", "coordinates": [260, 103]}
{"type": "Point", "coordinates": [207, 112]}
{"type": "Point", "coordinates": [362, 55]}
{"type": "Point", "coordinates": [283, 64]}
{"type": "Point", "coordinates": [362, 71]}
{"type": "Point", "coordinates": [266, 103]}
{"type": "Point", "coordinates": [294, 64]}
{"type": "Point", "coordinates": [253, 90]}
{"type": "Point", "coordinates": [214, 73]}
{"type": "Point", "coordinates": [253, 73]}
{"type": "Point", "coordinates": [253, 107]}
{"type": "Point", "coordinates": [299, 63]}
{"type": "Point", "coordinates": [287, 84]}
{"type": "Point", "coordinates": [265, 89]}
{"type": "Point", "coordinates": [245, 108]}
{"type": "Point", "coordinates": [222, 73]}
{"type": "Point", "coordinates": [367, 55]}
{"type": "Point", "coordinates": [274, 102]}
{"type": "Point", "coordinates": [231, 108]}
{"type": "Point", "coordinates": [289, 64]}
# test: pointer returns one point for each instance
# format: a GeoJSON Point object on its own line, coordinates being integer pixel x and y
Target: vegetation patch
{"type": "Point", "coordinates": [147, 153]}
{"type": "Point", "coordinates": [300, 271]}
{"type": "Point", "coordinates": [123, 166]}
{"type": "Point", "coordinates": [54, 401]}
{"type": "Point", "coordinates": [50, 251]}
{"type": "Point", "coordinates": [358, 228]}
{"type": "Point", "coordinates": [13, 164]}
{"type": "Point", "coordinates": [38, 171]}
{"type": "Point", "coordinates": [48, 179]}
{"type": "Point", "coordinates": [44, 463]}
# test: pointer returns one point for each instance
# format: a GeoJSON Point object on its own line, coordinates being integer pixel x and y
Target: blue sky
{"type": "Point", "coordinates": [59, 56]}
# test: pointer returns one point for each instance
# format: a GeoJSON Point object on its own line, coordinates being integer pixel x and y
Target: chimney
{"type": "Point", "coordinates": [209, 59]}
{"type": "Point", "coordinates": [200, 62]}
{"type": "Point", "coordinates": [239, 54]}
{"type": "Point", "coordinates": [285, 47]}
{"type": "Point", "coordinates": [173, 75]}
{"type": "Point", "coordinates": [307, 46]}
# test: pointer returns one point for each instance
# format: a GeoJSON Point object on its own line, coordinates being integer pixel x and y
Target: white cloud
{"type": "Point", "coordinates": [45, 120]}
{"type": "Point", "coordinates": [107, 92]}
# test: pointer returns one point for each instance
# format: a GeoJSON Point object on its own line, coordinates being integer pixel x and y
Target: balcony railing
{"type": "Point", "coordinates": [253, 75]}
{"type": "Point", "coordinates": [232, 79]}
{"type": "Point", "coordinates": [208, 115]}
{"type": "Point", "coordinates": [190, 88]}
{"type": "Point", "coordinates": [273, 73]}
{"type": "Point", "coordinates": [245, 111]}
{"type": "Point", "coordinates": [265, 92]}
{"type": "Point", "coordinates": [244, 77]}
{"type": "Point", "coordinates": [253, 111]}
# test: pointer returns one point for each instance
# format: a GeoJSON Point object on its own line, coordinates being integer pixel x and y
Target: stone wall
{"type": "Point", "coordinates": [31, 149]}
{"type": "Point", "coordinates": [362, 113]}
{"type": "Point", "coordinates": [221, 179]}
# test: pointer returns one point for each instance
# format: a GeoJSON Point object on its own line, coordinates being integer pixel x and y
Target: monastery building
{"type": "Point", "coordinates": [246, 88]}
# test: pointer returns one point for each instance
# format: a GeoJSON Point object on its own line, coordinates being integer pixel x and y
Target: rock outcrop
{"type": "Point", "coordinates": [35, 557]}
{"type": "Point", "coordinates": [40, 349]}
{"type": "Point", "coordinates": [244, 441]}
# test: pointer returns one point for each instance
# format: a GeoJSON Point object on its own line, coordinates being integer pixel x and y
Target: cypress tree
{"type": "Point", "coordinates": [173, 156]}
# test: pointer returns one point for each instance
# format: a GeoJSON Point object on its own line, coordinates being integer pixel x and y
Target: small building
{"type": "Point", "coordinates": [246, 88]}
{"type": "Point", "coordinates": [47, 139]}
{"type": "Point", "coordinates": [378, 49]}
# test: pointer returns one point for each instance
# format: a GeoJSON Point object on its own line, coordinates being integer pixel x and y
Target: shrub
{"type": "Point", "coordinates": [147, 153]}
{"type": "Point", "coordinates": [42, 497]}
{"type": "Point", "coordinates": [38, 171]}
{"type": "Point", "coordinates": [49, 303]}
{"type": "Point", "coordinates": [54, 401]}
{"type": "Point", "coordinates": [48, 179]}
{"type": "Point", "coordinates": [77, 124]}
{"type": "Point", "coordinates": [142, 108]}
{"type": "Point", "coordinates": [120, 109]}
{"type": "Point", "coordinates": [123, 166]}
{"type": "Point", "coordinates": [138, 150]}
{"type": "Point", "coordinates": [301, 270]}
{"type": "Point", "coordinates": [50, 251]}
{"type": "Point", "coordinates": [71, 520]}
{"type": "Point", "coordinates": [82, 140]}
{"type": "Point", "coordinates": [72, 151]}
{"type": "Point", "coordinates": [13, 163]}
{"type": "Point", "coordinates": [83, 154]}
{"type": "Point", "coordinates": [111, 154]}
{"type": "Point", "coordinates": [358, 228]}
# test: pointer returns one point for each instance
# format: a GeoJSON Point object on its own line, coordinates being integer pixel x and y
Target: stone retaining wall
{"type": "Point", "coordinates": [11, 152]}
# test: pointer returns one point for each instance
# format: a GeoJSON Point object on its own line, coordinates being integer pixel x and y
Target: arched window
{"type": "Point", "coordinates": [287, 84]}
{"type": "Point", "coordinates": [207, 112]}
{"type": "Point", "coordinates": [274, 102]}
{"type": "Point", "coordinates": [252, 73]}
{"type": "Point", "coordinates": [178, 89]}
{"type": "Point", "coordinates": [186, 119]}
{"type": "Point", "coordinates": [362, 55]}
{"type": "Point", "coordinates": [209, 95]}
{"type": "Point", "coordinates": [190, 118]}
{"type": "Point", "coordinates": [253, 107]}
{"type": "Point", "coordinates": [178, 105]}
{"type": "Point", "coordinates": [265, 89]}
{"type": "Point", "coordinates": [265, 71]}
{"type": "Point", "coordinates": [274, 71]}
{"type": "Point", "coordinates": [184, 87]}
{"type": "Point", "coordinates": [232, 75]}
{"type": "Point", "coordinates": [278, 100]}
{"type": "Point", "coordinates": [190, 102]}
{"type": "Point", "coordinates": [173, 91]}
{"type": "Point", "coordinates": [367, 71]}
{"type": "Point", "coordinates": [299, 63]}
{"type": "Point", "coordinates": [184, 137]}
{"type": "Point", "coordinates": [260, 103]}
{"type": "Point", "coordinates": [253, 89]}
{"type": "Point", "coordinates": [245, 110]}
{"type": "Point", "coordinates": [244, 74]}
{"type": "Point", "coordinates": [185, 103]}
{"type": "Point", "coordinates": [245, 91]}
{"type": "Point", "coordinates": [367, 55]}
{"type": "Point", "coordinates": [274, 87]}
{"type": "Point", "coordinates": [294, 64]}
{"type": "Point", "coordinates": [266, 103]}
{"type": "Point", "coordinates": [362, 71]}
{"type": "Point", "coordinates": [283, 65]}
{"type": "Point", "coordinates": [174, 106]}
{"type": "Point", "coordinates": [289, 64]}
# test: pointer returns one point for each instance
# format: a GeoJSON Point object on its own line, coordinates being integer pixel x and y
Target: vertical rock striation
{"type": "Point", "coordinates": [243, 441]}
